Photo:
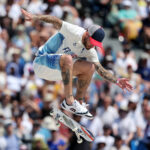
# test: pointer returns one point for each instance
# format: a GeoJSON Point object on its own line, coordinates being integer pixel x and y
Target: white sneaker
{"type": "Point", "coordinates": [88, 115]}
{"type": "Point", "coordinates": [77, 108]}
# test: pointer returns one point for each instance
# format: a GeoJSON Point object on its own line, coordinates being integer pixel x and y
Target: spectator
{"type": "Point", "coordinates": [107, 134]}
{"type": "Point", "coordinates": [142, 8]}
{"type": "Point", "coordinates": [100, 142]}
{"type": "Point", "coordinates": [145, 142]}
{"type": "Point", "coordinates": [2, 139]}
{"type": "Point", "coordinates": [141, 122]}
{"type": "Point", "coordinates": [130, 23]}
{"type": "Point", "coordinates": [6, 105]}
{"type": "Point", "coordinates": [118, 145]}
{"type": "Point", "coordinates": [124, 60]}
{"type": "Point", "coordinates": [11, 139]}
{"type": "Point", "coordinates": [134, 111]}
{"type": "Point", "coordinates": [146, 29]}
{"type": "Point", "coordinates": [38, 144]}
{"type": "Point", "coordinates": [122, 124]}
{"type": "Point", "coordinates": [15, 10]}
{"type": "Point", "coordinates": [143, 69]}
{"type": "Point", "coordinates": [3, 76]}
{"type": "Point", "coordinates": [3, 42]}
{"type": "Point", "coordinates": [55, 140]}
{"type": "Point", "coordinates": [36, 7]}
{"type": "Point", "coordinates": [134, 78]}
{"type": "Point", "coordinates": [47, 101]}
{"type": "Point", "coordinates": [106, 112]}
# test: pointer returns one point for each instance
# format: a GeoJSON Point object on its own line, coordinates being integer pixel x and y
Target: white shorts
{"type": "Point", "coordinates": [48, 67]}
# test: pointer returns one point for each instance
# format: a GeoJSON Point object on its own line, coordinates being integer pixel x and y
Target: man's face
{"type": "Point", "coordinates": [86, 41]}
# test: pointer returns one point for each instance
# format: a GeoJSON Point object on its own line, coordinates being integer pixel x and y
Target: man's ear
{"type": "Point", "coordinates": [87, 33]}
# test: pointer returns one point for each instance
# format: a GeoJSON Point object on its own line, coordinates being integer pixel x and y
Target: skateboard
{"type": "Point", "coordinates": [78, 129]}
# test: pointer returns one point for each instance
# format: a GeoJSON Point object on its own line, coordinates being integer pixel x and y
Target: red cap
{"type": "Point", "coordinates": [96, 43]}
{"type": "Point", "coordinates": [97, 35]}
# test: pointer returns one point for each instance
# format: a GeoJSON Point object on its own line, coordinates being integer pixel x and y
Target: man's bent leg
{"type": "Point", "coordinates": [47, 65]}
{"type": "Point", "coordinates": [66, 65]}
{"type": "Point", "coordinates": [84, 71]}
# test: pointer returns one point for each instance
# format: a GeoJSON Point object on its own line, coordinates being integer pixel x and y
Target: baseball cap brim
{"type": "Point", "coordinates": [96, 43]}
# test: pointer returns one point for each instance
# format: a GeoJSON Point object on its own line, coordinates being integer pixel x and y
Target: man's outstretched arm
{"type": "Point", "coordinates": [121, 82]}
{"type": "Point", "coordinates": [105, 73]}
{"type": "Point", "coordinates": [46, 18]}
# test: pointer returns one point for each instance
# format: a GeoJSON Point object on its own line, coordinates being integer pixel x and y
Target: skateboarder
{"type": "Point", "coordinates": [68, 53]}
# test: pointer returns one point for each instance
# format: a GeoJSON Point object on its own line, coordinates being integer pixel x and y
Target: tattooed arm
{"type": "Point", "coordinates": [46, 18]}
{"type": "Point", "coordinates": [105, 73]}
{"type": "Point", "coordinates": [49, 19]}
{"type": "Point", "coordinates": [121, 82]}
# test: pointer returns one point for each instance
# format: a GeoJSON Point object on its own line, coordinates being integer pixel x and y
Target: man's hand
{"type": "Point", "coordinates": [28, 16]}
{"type": "Point", "coordinates": [124, 84]}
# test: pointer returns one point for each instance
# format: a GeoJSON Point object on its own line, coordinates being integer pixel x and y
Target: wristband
{"type": "Point", "coordinates": [117, 80]}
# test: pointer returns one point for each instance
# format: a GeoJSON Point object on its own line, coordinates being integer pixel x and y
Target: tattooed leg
{"type": "Point", "coordinates": [66, 71]}
{"type": "Point", "coordinates": [84, 71]}
{"type": "Point", "coordinates": [82, 85]}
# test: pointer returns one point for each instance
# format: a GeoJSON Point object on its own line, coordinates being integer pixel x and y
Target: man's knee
{"type": "Point", "coordinates": [89, 69]}
{"type": "Point", "coordinates": [92, 68]}
{"type": "Point", "coordinates": [66, 61]}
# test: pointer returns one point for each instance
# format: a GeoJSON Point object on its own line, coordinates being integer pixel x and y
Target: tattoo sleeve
{"type": "Point", "coordinates": [66, 77]}
{"type": "Point", "coordinates": [49, 19]}
{"type": "Point", "coordinates": [105, 73]}
{"type": "Point", "coordinates": [82, 83]}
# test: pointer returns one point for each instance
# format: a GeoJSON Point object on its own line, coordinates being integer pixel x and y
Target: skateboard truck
{"type": "Point", "coordinates": [79, 140]}
{"type": "Point", "coordinates": [57, 117]}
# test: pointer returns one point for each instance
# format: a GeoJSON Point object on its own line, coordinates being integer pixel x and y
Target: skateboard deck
{"type": "Point", "coordinates": [78, 129]}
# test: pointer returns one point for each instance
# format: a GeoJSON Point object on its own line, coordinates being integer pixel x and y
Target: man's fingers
{"type": "Point", "coordinates": [129, 85]}
{"type": "Point", "coordinates": [129, 89]}
{"type": "Point", "coordinates": [26, 13]}
{"type": "Point", "coordinates": [124, 84]}
{"type": "Point", "coordinates": [27, 19]}
{"type": "Point", "coordinates": [23, 11]}
{"type": "Point", "coordinates": [126, 80]}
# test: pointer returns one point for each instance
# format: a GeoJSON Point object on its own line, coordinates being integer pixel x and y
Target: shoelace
{"type": "Point", "coordinates": [78, 105]}
{"type": "Point", "coordinates": [85, 104]}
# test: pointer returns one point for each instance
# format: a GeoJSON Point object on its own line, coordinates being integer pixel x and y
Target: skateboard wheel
{"type": "Point", "coordinates": [58, 124]}
{"type": "Point", "coordinates": [51, 113]}
{"type": "Point", "coordinates": [74, 130]}
{"type": "Point", "coordinates": [79, 141]}
{"type": "Point", "coordinates": [60, 119]}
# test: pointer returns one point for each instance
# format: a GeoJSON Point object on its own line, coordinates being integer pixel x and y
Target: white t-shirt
{"type": "Point", "coordinates": [3, 143]}
{"type": "Point", "coordinates": [73, 39]}
{"type": "Point", "coordinates": [124, 126]}
{"type": "Point", "coordinates": [13, 83]}
{"type": "Point", "coordinates": [15, 12]}
{"type": "Point", "coordinates": [107, 115]}
{"type": "Point", "coordinates": [109, 142]}
{"type": "Point", "coordinates": [69, 41]}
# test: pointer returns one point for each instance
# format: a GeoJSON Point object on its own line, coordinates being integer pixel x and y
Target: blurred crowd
{"type": "Point", "coordinates": [121, 119]}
